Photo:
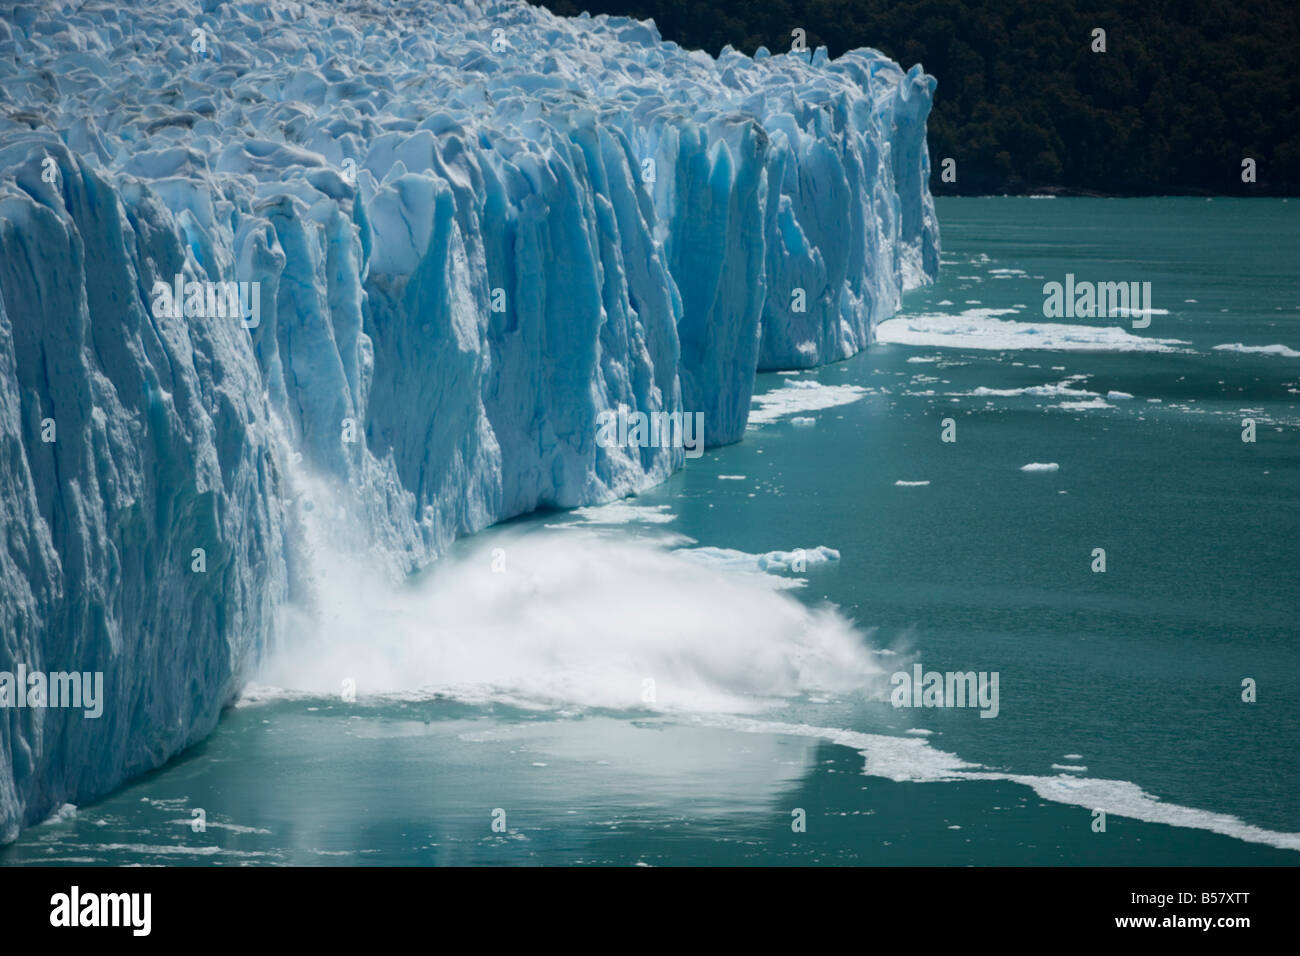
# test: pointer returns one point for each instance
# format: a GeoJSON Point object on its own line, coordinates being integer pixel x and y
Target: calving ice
{"type": "Point", "coordinates": [1092, 300]}
{"type": "Point", "coordinates": [949, 689]}
{"type": "Point", "coordinates": [378, 290]}
{"type": "Point", "coordinates": [74, 908]}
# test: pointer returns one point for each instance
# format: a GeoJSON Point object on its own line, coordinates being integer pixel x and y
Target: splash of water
{"type": "Point", "coordinates": [568, 617]}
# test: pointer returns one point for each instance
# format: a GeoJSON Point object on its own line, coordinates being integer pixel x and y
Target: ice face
{"type": "Point", "coordinates": [274, 274]}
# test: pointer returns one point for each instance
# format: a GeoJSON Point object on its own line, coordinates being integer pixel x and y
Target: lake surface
{"type": "Point", "coordinates": [603, 706]}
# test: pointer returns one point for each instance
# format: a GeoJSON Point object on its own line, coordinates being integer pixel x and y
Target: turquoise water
{"type": "Point", "coordinates": [1135, 674]}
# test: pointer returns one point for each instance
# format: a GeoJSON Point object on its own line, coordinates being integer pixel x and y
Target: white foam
{"type": "Point", "coordinates": [902, 759]}
{"type": "Point", "coordinates": [982, 329]}
{"type": "Point", "coordinates": [911, 484]}
{"type": "Point", "coordinates": [1038, 466]}
{"type": "Point", "coordinates": [577, 617]}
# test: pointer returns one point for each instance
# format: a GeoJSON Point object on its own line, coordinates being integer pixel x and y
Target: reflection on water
{"type": "Point", "coordinates": [318, 782]}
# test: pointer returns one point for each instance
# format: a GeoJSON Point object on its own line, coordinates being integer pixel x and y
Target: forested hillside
{"type": "Point", "coordinates": [1185, 91]}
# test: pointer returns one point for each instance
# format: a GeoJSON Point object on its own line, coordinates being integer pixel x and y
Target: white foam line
{"type": "Point", "coordinates": [913, 760]}
{"type": "Point", "coordinates": [175, 850]}
{"type": "Point", "coordinates": [232, 827]}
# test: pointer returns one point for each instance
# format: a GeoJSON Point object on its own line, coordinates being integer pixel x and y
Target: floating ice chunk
{"type": "Point", "coordinates": [1282, 350]}
{"type": "Point", "coordinates": [733, 560]}
{"type": "Point", "coordinates": [801, 395]}
{"type": "Point", "coordinates": [621, 512]}
{"type": "Point", "coordinates": [982, 329]}
{"type": "Point", "coordinates": [1054, 390]}
{"type": "Point", "coordinates": [64, 814]}
{"type": "Point", "coordinates": [1124, 311]}
{"type": "Point", "coordinates": [1084, 405]}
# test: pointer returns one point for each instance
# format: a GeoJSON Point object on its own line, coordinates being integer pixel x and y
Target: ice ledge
{"type": "Point", "coordinates": [473, 229]}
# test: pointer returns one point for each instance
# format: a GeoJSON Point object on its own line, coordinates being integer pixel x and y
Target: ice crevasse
{"type": "Point", "coordinates": [468, 230]}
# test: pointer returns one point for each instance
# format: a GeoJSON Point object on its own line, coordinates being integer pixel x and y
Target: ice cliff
{"type": "Point", "coordinates": [466, 231]}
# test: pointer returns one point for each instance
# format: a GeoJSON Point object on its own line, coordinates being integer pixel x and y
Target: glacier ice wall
{"type": "Point", "coordinates": [469, 229]}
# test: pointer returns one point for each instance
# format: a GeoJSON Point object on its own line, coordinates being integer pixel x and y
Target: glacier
{"type": "Point", "coordinates": [468, 229]}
